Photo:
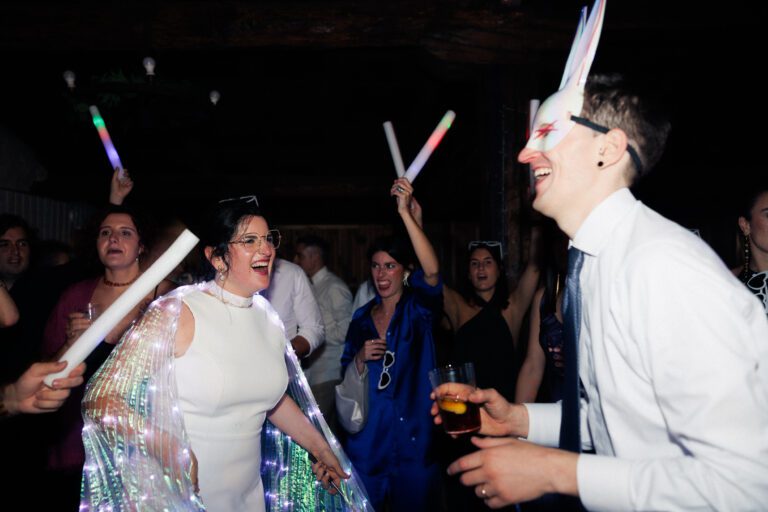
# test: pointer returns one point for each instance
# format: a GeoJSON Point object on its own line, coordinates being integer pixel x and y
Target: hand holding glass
{"type": "Point", "coordinates": [452, 386]}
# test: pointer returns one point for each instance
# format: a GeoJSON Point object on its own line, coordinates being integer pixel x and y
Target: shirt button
{"type": "Point", "coordinates": [413, 439]}
{"type": "Point", "coordinates": [402, 419]}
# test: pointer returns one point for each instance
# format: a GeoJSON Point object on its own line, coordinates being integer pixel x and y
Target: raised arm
{"type": "Point", "coordinates": [403, 191]}
{"type": "Point", "coordinates": [120, 186]}
{"type": "Point", "coordinates": [532, 370]}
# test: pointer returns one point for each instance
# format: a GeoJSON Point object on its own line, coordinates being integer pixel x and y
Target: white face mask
{"type": "Point", "coordinates": [553, 119]}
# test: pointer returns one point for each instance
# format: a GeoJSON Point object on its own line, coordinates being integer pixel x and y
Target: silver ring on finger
{"type": "Point", "coordinates": [485, 494]}
{"type": "Point", "coordinates": [400, 189]}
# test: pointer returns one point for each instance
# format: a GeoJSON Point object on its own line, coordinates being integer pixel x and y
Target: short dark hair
{"type": "Point", "coordinates": [9, 220]}
{"type": "Point", "coordinates": [315, 241]}
{"type": "Point", "coordinates": [611, 101]}
{"type": "Point", "coordinates": [223, 221]}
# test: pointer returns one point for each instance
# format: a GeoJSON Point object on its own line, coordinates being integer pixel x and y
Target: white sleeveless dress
{"type": "Point", "coordinates": [232, 374]}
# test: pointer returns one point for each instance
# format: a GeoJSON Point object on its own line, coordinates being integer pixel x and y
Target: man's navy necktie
{"type": "Point", "coordinates": [570, 437]}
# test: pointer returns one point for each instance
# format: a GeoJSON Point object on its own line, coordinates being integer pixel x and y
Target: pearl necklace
{"type": "Point", "coordinates": [217, 292]}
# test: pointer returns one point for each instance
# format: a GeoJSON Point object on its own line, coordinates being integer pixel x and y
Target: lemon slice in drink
{"type": "Point", "coordinates": [453, 406]}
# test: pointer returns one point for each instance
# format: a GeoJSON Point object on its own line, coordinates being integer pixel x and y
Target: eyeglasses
{"type": "Point", "coordinates": [486, 243]}
{"type": "Point", "coordinates": [20, 244]}
{"type": "Point", "coordinates": [252, 242]}
{"type": "Point", "coordinates": [245, 199]}
{"type": "Point", "coordinates": [385, 378]}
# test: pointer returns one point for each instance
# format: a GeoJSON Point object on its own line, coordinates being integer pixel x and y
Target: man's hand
{"type": "Point", "coordinates": [497, 416]}
{"type": "Point", "coordinates": [506, 471]}
{"type": "Point", "coordinates": [300, 346]}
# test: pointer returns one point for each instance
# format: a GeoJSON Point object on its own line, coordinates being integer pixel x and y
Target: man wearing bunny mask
{"type": "Point", "coordinates": [671, 355]}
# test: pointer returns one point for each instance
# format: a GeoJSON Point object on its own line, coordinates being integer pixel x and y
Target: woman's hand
{"type": "Point", "coordinates": [372, 350]}
{"type": "Point", "coordinates": [327, 469]}
{"type": "Point", "coordinates": [120, 187]}
{"type": "Point", "coordinates": [403, 191]}
{"type": "Point", "coordinates": [77, 323]}
{"type": "Point", "coordinates": [193, 472]}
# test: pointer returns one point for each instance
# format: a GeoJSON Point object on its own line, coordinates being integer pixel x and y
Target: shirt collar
{"type": "Point", "coordinates": [599, 225]}
{"type": "Point", "coordinates": [319, 275]}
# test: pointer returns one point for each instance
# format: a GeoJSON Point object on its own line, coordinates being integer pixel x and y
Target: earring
{"type": "Point", "coordinates": [222, 273]}
{"type": "Point", "coordinates": [747, 256]}
{"type": "Point", "coordinates": [406, 275]}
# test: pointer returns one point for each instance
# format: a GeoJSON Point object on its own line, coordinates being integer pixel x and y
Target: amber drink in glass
{"type": "Point", "coordinates": [452, 385]}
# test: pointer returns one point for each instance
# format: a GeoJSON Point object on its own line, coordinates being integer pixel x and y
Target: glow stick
{"type": "Point", "coordinates": [98, 122]}
{"type": "Point", "coordinates": [107, 321]}
{"type": "Point", "coordinates": [415, 168]}
{"type": "Point", "coordinates": [389, 130]}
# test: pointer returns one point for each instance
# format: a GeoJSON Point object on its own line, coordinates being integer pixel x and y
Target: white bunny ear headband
{"type": "Point", "coordinates": [561, 111]}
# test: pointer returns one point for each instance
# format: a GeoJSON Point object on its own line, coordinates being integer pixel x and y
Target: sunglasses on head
{"type": "Point", "coordinates": [487, 243]}
{"type": "Point", "coordinates": [385, 378]}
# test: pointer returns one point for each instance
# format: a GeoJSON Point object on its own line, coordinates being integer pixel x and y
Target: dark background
{"type": "Point", "coordinates": [306, 85]}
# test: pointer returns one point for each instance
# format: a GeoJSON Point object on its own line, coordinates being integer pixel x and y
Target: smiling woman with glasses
{"type": "Point", "coordinates": [390, 348]}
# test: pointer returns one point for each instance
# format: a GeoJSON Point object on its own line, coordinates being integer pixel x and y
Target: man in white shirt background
{"type": "Point", "coordinates": [323, 367]}
{"type": "Point", "coordinates": [672, 350]}
{"type": "Point", "coordinates": [290, 293]}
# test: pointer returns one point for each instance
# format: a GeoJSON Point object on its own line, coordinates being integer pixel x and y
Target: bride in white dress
{"type": "Point", "coordinates": [230, 374]}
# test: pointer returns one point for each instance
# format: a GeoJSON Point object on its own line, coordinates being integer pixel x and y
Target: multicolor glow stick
{"type": "Point", "coordinates": [415, 168]}
{"type": "Point", "coordinates": [389, 130]}
{"type": "Point", "coordinates": [101, 127]}
{"type": "Point", "coordinates": [107, 321]}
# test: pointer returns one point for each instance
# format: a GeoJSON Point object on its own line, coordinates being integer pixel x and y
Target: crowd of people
{"type": "Point", "coordinates": [642, 384]}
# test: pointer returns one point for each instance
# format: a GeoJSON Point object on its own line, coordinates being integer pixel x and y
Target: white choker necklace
{"type": "Point", "coordinates": [214, 290]}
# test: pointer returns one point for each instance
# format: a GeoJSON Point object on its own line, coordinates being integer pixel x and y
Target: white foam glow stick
{"type": "Point", "coordinates": [107, 321]}
{"type": "Point", "coordinates": [389, 130]}
{"type": "Point", "coordinates": [415, 168]}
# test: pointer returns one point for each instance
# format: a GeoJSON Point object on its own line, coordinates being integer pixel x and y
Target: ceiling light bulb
{"type": "Point", "coordinates": [69, 77]}
{"type": "Point", "coordinates": [149, 65]}
{"type": "Point", "coordinates": [215, 96]}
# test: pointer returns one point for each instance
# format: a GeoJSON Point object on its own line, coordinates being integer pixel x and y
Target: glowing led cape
{"type": "Point", "coordinates": [137, 449]}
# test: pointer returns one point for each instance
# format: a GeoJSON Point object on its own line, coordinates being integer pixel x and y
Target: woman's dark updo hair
{"type": "Point", "coordinates": [500, 297]}
{"type": "Point", "coordinates": [396, 247]}
{"type": "Point", "coordinates": [222, 224]}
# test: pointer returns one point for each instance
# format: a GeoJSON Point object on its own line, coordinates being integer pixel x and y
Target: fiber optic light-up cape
{"type": "Point", "coordinates": [138, 452]}
{"type": "Point", "coordinates": [553, 119]}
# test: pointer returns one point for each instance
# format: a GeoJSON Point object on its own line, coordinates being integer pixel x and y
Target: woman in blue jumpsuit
{"type": "Point", "coordinates": [390, 338]}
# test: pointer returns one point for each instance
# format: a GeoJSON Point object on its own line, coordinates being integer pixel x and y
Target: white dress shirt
{"type": "Point", "coordinates": [335, 302]}
{"type": "Point", "coordinates": [291, 295]}
{"type": "Point", "coordinates": [673, 356]}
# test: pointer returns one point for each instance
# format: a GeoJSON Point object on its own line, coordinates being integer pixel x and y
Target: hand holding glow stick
{"type": "Point", "coordinates": [389, 130]}
{"type": "Point", "coordinates": [107, 321]}
{"type": "Point", "coordinates": [437, 135]}
{"type": "Point", "coordinates": [101, 127]}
